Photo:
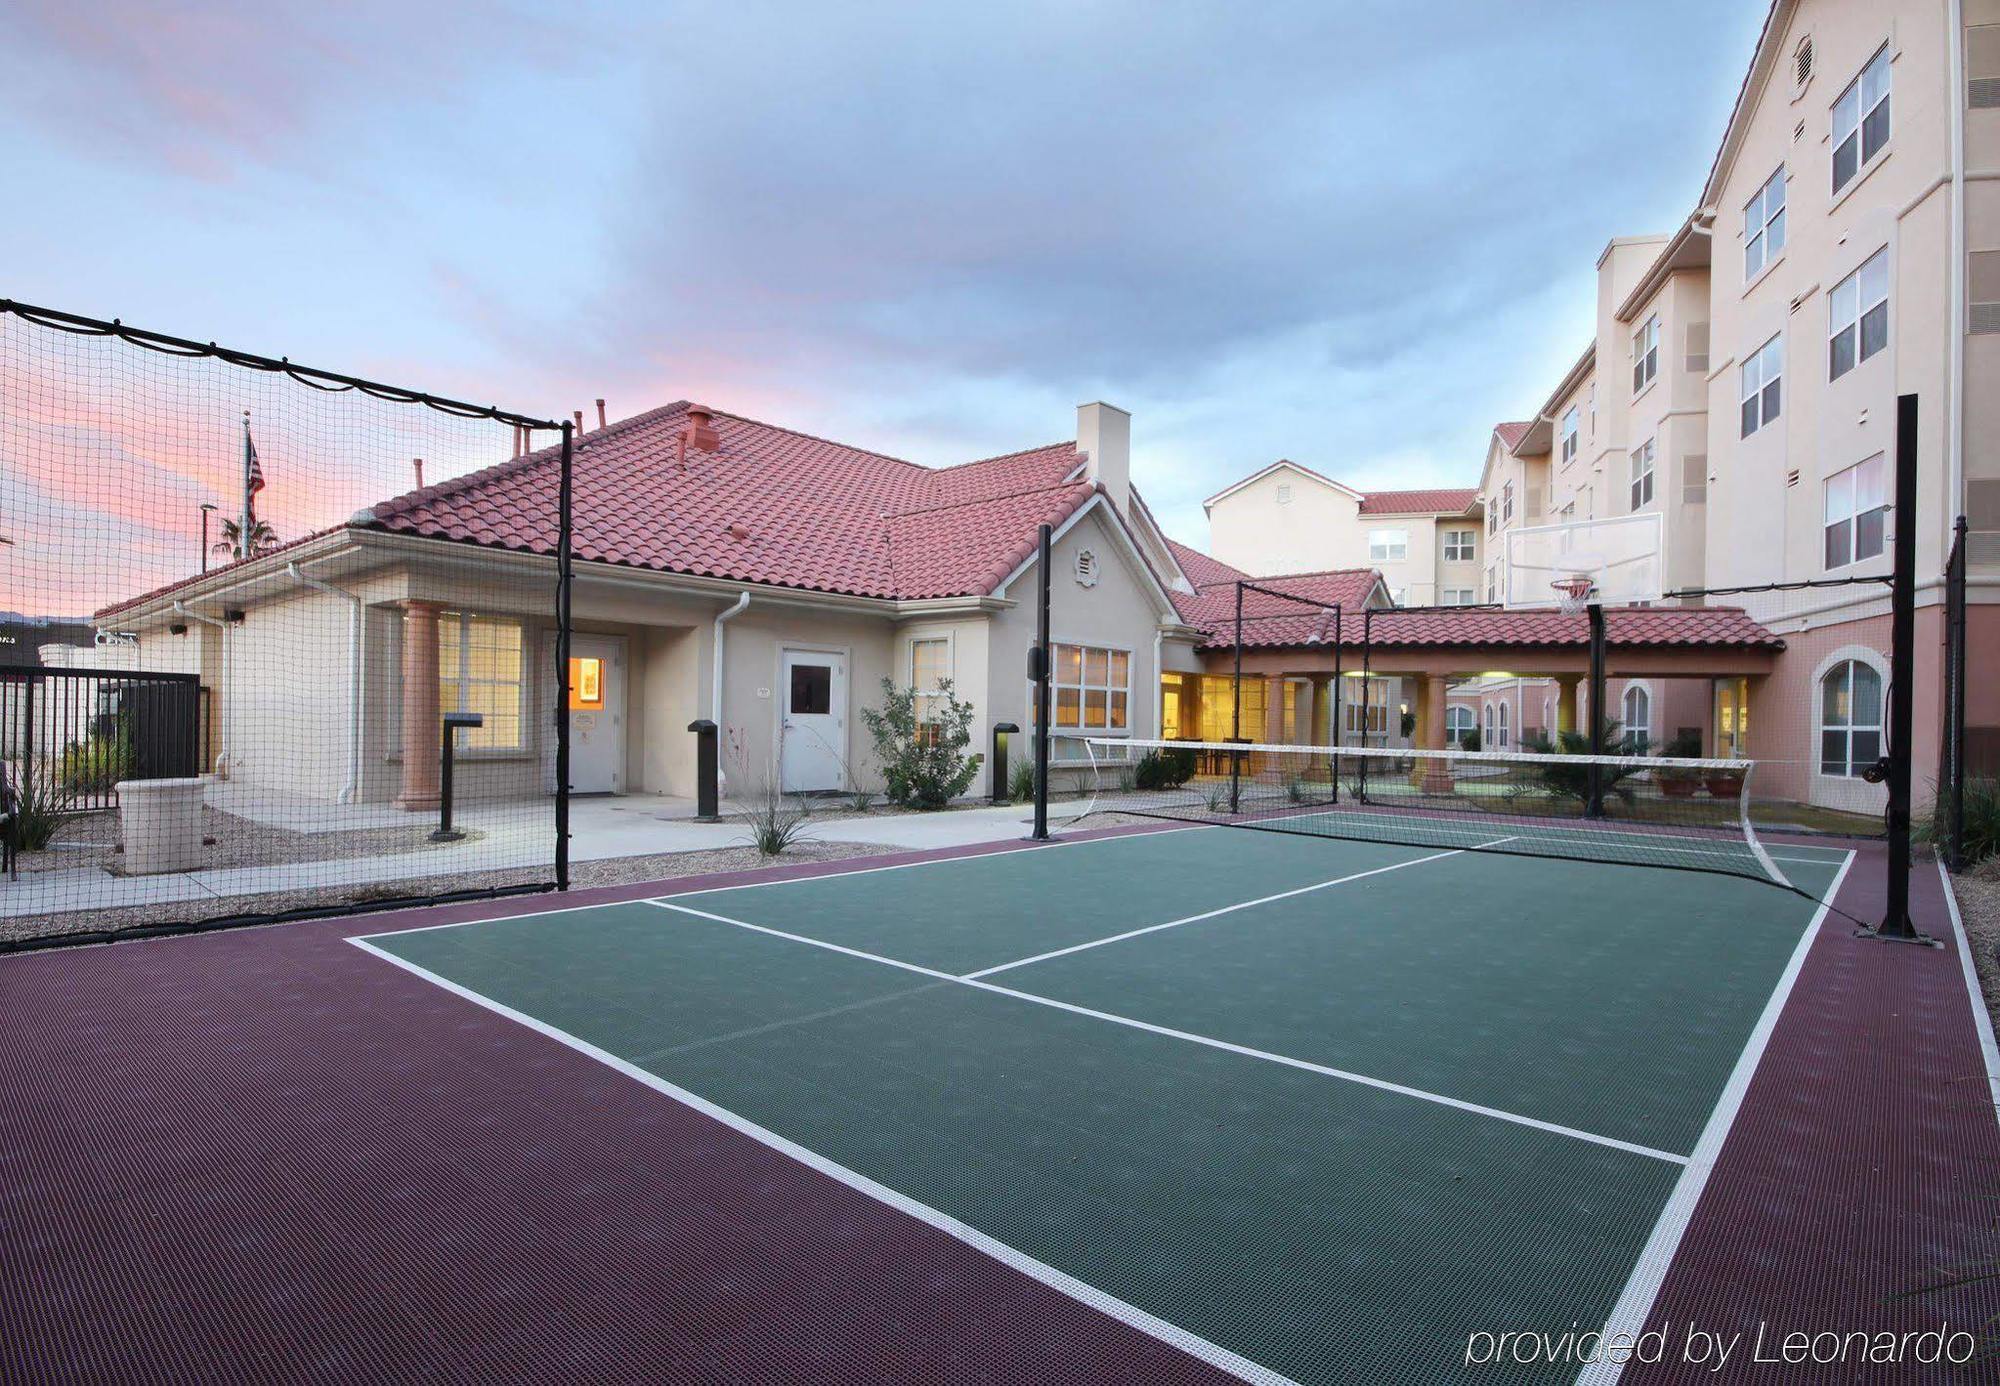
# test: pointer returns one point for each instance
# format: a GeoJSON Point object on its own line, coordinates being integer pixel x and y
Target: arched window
{"type": "Point", "coordinates": [1850, 726]}
{"type": "Point", "coordinates": [1638, 715]}
{"type": "Point", "coordinates": [1459, 723]}
{"type": "Point", "coordinates": [1503, 728]}
{"type": "Point", "coordinates": [1492, 743]}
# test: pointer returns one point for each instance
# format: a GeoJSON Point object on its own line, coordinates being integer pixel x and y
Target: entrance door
{"type": "Point", "coordinates": [1732, 718]}
{"type": "Point", "coordinates": [812, 731]}
{"type": "Point", "coordinates": [596, 714]}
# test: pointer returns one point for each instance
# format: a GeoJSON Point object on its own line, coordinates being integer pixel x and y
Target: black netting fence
{"type": "Point", "coordinates": [250, 609]}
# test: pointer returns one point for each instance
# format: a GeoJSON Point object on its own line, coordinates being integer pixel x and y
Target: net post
{"type": "Point", "coordinates": [565, 581]}
{"type": "Point", "coordinates": [1896, 922]}
{"type": "Point", "coordinates": [1955, 624]}
{"type": "Point", "coordinates": [1333, 720]}
{"type": "Point", "coordinates": [1044, 672]}
{"type": "Point", "coordinates": [1367, 700]}
{"type": "Point", "coordinates": [1594, 802]}
{"type": "Point", "coordinates": [1236, 709]}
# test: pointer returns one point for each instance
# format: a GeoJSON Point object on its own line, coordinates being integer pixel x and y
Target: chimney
{"type": "Point", "coordinates": [600, 413]}
{"type": "Point", "coordinates": [1104, 434]}
{"type": "Point", "coordinates": [700, 432]}
{"type": "Point", "coordinates": [418, 463]}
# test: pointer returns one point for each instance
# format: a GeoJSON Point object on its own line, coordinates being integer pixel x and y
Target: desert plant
{"type": "Point", "coordinates": [1168, 769]}
{"type": "Point", "coordinates": [1573, 781]}
{"type": "Point", "coordinates": [860, 800]}
{"type": "Point", "coordinates": [35, 810]}
{"type": "Point", "coordinates": [924, 764]}
{"type": "Point", "coordinates": [1021, 782]}
{"type": "Point", "coordinates": [94, 765]}
{"type": "Point", "coordinates": [1218, 797]}
{"type": "Point", "coordinates": [776, 823]}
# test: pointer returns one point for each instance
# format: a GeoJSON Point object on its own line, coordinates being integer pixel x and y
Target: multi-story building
{"type": "Point", "coordinates": [1289, 519]}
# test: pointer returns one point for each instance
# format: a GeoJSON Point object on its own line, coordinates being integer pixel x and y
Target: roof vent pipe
{"type": "Point", "coordinates": [418, 464]}
{"type": "Point", "coordinates": [600, 413]}
{"type": "Point", "coordinates": [578, 416]}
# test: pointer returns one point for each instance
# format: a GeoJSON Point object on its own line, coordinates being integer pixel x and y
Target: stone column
{"type": "Point", "coordinates": [421, 712]}
{"type": "Point", "coordinates": [1273, 731]}
{"type": "Point", "coordinates": [1433, 773]}
{"type": "Point", "coordinates": [1569, 697]}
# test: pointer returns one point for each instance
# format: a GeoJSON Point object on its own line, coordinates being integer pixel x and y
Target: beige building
{"type": "Point", "coordinates": [1289, 519]}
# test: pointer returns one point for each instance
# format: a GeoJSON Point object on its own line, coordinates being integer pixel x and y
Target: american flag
{"type": "Point", "coordinates": [253, 471]}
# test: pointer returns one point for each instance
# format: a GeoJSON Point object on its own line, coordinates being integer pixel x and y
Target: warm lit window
{"type": "Point", "coordinates": [1645, 354]}
{"type": "Point", "coordinates": [1092, 688]}
{"type": "Point", "coordinates": [481, 669]}
{"type": "Point", "coordinates": [1857, 512]}
{"type": "Point", "coordinates": [1762, 381]}
{"type": "Point", "coordinates": [1861, 119]}
{"type": "Point", "coordinates": [930, 668]}
{"type": "Point", "coordinates": [1458, 545]}
{"type": "Point", "coordinates": [1642, 475]}
{"type": "Point", "coordinates": [1388, 545]}
{"type": "Point", "coordinates": [1850, 727]}
{"type": "Point", "coordinates": [1858, 316]}
{"type": "Point", "coordinates": [1764, 225]}
{"type": "Point", "coordinates": [1569, 434]}
{"type": "Point", "coordinates": [586, 683]}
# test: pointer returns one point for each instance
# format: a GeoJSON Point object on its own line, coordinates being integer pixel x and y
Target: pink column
{"type": "Point", "coordinates": [1434, 775]}
{"type": "Point", "coordinates": [421, 712]}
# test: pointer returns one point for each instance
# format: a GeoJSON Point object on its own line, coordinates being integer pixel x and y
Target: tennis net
{"type": "Point", "coordinates": [1690, 815]}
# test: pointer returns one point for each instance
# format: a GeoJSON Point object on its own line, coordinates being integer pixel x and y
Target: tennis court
{"type": "Point", "coordinates": [1307, 1108]}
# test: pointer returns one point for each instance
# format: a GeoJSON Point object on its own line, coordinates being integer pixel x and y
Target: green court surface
{"type": "Point", "coordinates": [1327, 1107]}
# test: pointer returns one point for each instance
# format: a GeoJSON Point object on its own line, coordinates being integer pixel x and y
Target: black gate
{"type": "Point", "coordinates": [78, 732]}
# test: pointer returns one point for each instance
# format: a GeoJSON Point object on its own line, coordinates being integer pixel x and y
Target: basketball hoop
{"type": "Point", "coordinates": [1573, 592]}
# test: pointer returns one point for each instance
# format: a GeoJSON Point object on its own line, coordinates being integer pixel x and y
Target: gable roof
{"type": "Point", "coordinates": [770, 506]}
{"type": "Point", "coordinates": [1268, 620]}
{"type": "Point", "coordinates": [1450, 501]}
{"type": "Point", "coordinates": [1283, 463]}
{"type": "Point", "coordinates": [1511, 434]}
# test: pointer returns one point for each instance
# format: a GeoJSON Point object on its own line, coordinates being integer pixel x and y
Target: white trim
{"type": "Point", "coordinates": [1304, 1065]}
{"type": "Point", "coordinates": [1126, 541]}
{"type": "Point", "coordinates": [1084, 1293]}
{"type": "Point", "coordinates": [1635, 1303]}
{"type": "Point", "coordinates": [1287, 465]}
{"type": "Point", "coordinates": [1530, 758]}
{"type": "Point", "coordinates": [1982, 1022]}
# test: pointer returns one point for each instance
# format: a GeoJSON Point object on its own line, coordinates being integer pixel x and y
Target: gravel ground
{"type": "Point", "coordinates": [1978, 891]}
{"type": "Point", "coordinates": [91, 840]}
{"type": "Point", "coordinates": [617, 871]}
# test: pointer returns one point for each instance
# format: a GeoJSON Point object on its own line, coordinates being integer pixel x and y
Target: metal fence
{"type": "Point", "coordinates": [82, 732]}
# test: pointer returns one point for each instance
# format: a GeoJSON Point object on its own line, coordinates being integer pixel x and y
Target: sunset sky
{"type": "Point", "coordinates": [1320, 231]}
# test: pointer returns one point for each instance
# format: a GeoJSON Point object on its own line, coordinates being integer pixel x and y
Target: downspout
{"type": "Point", "coordinates": [221, 766]}
{"type": "Point", "coordinates": [354, 632]}
{"type": "Point", "coordinates": [1954, 408]}
{"type": "Point", "coordinates": [723, 618]}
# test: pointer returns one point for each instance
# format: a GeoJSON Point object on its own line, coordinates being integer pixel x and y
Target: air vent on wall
{"type": "Point", "coordinates": [1983, 288]}
{"type": "Point", "coordinates": [1802, 62]}
{"type": "Point", "coordinates": [1982, 66]}
{"type": "Point", "coordinates": [1792, 477]}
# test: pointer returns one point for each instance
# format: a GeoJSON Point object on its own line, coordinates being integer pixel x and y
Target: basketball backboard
{"type": "Point", "coordinates": [1609, 562]}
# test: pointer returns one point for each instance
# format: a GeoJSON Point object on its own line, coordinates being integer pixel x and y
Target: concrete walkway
{"type": "Point", "coordinates": [507, 835]}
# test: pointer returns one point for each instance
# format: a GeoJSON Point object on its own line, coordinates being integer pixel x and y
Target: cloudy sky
{"type": "Point", "coordinates": [1317, 230]}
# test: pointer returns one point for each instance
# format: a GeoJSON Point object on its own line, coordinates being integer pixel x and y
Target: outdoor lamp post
{"type": "Point", "coordinates": [1001, 731]}
{"type": "Point", "coordinates": [452, 722]}
{"type": "Point", "coordinates": [207, 508]}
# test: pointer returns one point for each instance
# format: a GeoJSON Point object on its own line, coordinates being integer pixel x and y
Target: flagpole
{"type": "Point", "coordinates": [243, 530]}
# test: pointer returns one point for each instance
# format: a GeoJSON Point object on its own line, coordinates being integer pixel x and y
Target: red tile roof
{"type": "Point", "coordinates": [1455, 501]}
{"type": "Point", "coordinates": [1681, 626]}
{"type": "Point", "coordinates": [1268, 620]}
{"type": "Point", "coordinates": [769, 506]}
{"type": "Point", "coordinates": [1511, 434]}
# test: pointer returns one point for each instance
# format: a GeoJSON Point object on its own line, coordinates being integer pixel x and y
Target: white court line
{"type": "Point", "coordinates": [1345, 1075]}
{"type": "Point", "coordinates": [1083, 1292]}
{"type": "Point", "coordinates": [1981, 1021]}
{"type": "Point", "coordinates": [1226, 909]}
{"type": "Point", "coordinates": [1635, 1303]}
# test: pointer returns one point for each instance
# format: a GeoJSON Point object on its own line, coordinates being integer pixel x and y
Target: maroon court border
{"type": "Point", "coordinates": [263, 1154]}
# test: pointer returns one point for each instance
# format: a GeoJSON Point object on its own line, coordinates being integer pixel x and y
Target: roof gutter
{"type": "Point", "coordinates": [355, 628]}
{"type": "Point", "coordinates": [221, 766]}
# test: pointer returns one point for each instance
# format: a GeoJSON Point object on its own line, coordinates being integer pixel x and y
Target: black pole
{"type": "Point", "coordinates": [1044, 670]}
{"type": "Point", "coordinates": [447, 760]}
{"type": "Point", "coordinates": [707, 771]}
{"type": "Point", "coordinates": [565, 578]}
{"type": "Point", "coordinates": [1236, 709]}
{"type": "Point", "coordinates": [1954, 785]}
{"type": "Point", "coordinates": [1593, 806]}
{"type": "Point", "coordinates": [1367, 700]}
{"type": "Point", "coordinates": [1333, 720]}
{"type": "Point", "coordinates": [1896, 921]}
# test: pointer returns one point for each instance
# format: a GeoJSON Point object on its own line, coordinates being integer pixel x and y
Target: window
{"type": "Point", "coordinates": [1642, 475]}
{"type": "Point", "coordinates": [1459, 724]}
{"type": "Point", "coordinates": [1638, 719]}
{"type": "Point", "coordinates": [1092, 688]}
{"type": "Point", "coordinates": [1861, 119]}
{"type": "Point", "coordinates": [1458, 596]}
{"type": "Point", "coordinates": [1764, 225]}
{"type": "Point", "coordinates": [1762, 394]}
{"type": "Point", "coordinates": [1569, 434]}
{"type": "Point", "coordinates": [1388, 545]}
{"type": "Point", "coordinates": [1493, 520]}
{"type": "Point", "coordinates": [1365, 709]}
{"type": "Point", "coordinates": [812, 689]}
{"type": "Point", "coordinates": [1857, 512]}
{"type": "Point", "coordinates": [480, 669]}
{"type": "Point", "coordinates": [1593, 408]}
{"type": "Point", "coordinates": [1489, 584]}
{"type": "Point", "coordinates": [1646, 354]}
{"type": "Point", "coordinates": [1501, 745]}
{"type": "Point", "coordinates": [1458, 545]}
{"type": "Point", "coordinates": [1850, 727]}
{"type": "Point", "coordinates": [1507, 503]}
{"type": "Point", "coordinates": [1858, 316]}
{"type": "Point", "coordinates": [930, 670]}
{"type": "Point", "coordinates": [1395, 596]}
{"type": "Point", "coordinates": [1492, 743]}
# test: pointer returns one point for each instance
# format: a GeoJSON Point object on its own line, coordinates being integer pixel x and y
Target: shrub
{"type": "Point", "coordinates": [1469, 741]}
{"type": "Point", "coordinates": [94, 765]}
{"type": "Point", "coordinates": [1021, 782]}
{"type": "Point", "coordinates": [923, 765]}
{"type": "Point", "coordinates": [776, 823]}
{"type": "Point", "coordinates": [1685, 745]}
{"type": "Point", "coordinates": [35, 810]}
{"type": "Point", "coordinates": [1982, 820]}
{"type": "Point", "coordinates": [1573, 781]}
{"type": "Point", "coordinates": [1169, 769]}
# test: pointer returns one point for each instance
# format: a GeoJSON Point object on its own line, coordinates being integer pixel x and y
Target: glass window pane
{"type": "Point", "coordinates": [1874, 330]}
{"type": "Point", "coordinates": [1847, 111]}
{"type": "Point", "coordinates": [1875, 131]}
{"type": "Point", "coordinates": [1096, 666]}
{"type": "Point", "coordinates": [812, 689]}
{"type": "Point", "coordinates": [1874, 279]}
{"type": "Point", "coordinates": [1839, 496]}
{"type": "Point", "coordinates": [1834, 696]}
{"type": "Point", "coordinates": [1069, 702]}
{"type": "Point", "coordinates": [1069, 664]}
{"type": "Point", "coordinates": [1846, 159]}
{"type": "Point", "coordinates": [1870, 477]}
{"type": "Point", "coordinates": [1771, 392]}
{"type": "Point", "coordinates": [1833, 753]}
{"type": "Point", "coordinates": [1866, 750]}
{"type": "Point", "coordinates": [1118, 710]}
{"type": "Point", "coordinates": [1844, 303]}
{"type": "Point", "coordinates": [1121, 673]}
{"type": "Point", "coordinates": [1749, 416]}
{"type": "Point", "coordinates": [1869, 526]}
{"type": "Point", "coordinates": [1867, 698]}
{"type": "Point", "coordinates": [1838, 554]}
{"type": "Point", "coordinates": [1841, 354]}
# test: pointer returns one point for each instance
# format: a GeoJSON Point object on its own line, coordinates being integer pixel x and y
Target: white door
{"type": "Point", "coordinates": [596, 714]}
{"type": "Point", "coordinates": [812, 721]}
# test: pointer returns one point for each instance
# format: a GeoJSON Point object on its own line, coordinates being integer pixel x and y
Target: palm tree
{"type": "Point", "coordinates": [262, 538]}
